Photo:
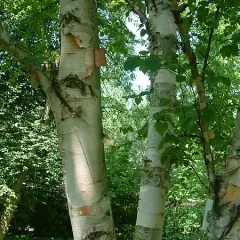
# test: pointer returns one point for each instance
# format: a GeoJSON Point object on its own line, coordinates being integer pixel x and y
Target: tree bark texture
{"type": "Point", "coordinates": [155, 173]}
{"type": "Point", "coordinates": [75, 100]}
{"type": "Point", "coordinates": [224, 218]}
{"type": "Point", "coordinates": [77, 110]}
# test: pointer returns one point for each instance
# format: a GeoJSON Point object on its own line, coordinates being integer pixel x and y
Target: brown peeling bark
{"type": "Point", "coordinates": [100, 58]}
{"type": "Point", "coordinates": [86, 210]}
{"type": "Point", "coordinates": [202, 102]}
{"type": "Point", "coordinates": [232, 193]}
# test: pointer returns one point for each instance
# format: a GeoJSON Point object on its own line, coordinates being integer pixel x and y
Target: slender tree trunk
{"type": "Point", "coordinates": [77, 113]}
{"type": "Point", "coordinates": [10, 206]}
{"type": "Point", "coordinates": [224, 218]}
{"type": "Point", "coordinates": [155, 173]}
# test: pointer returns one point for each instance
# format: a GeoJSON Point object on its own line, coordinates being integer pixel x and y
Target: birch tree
{"type": "Point", "coordinates": [222, 214]}
{"type": "Point", "coordinates": [158, 22]}
{"type": "Point", "coordinates": [74, 97]}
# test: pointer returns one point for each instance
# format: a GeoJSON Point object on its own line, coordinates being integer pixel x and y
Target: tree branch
{"type": "Point", "coordinates": [37, 77]}
{"type": "Point", "coordinates": [196, 173]}
{"type": "Point", "coordinates": [138, 11]}
{"type": "Point", "coordinates": [202, 103]}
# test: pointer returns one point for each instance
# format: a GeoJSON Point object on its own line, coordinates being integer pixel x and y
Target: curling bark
{"type": "Point", "coordinates": [155, 173]}
{"type": "Point", "coordinates": [75, 100]}
{"type": "Point", "coordinates": [78, 118]}
{"type": "Point", "coordinates": [223, 219]}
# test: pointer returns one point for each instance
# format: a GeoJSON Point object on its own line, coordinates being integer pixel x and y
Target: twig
{"type": "Point", "coordinates": [200, 180]}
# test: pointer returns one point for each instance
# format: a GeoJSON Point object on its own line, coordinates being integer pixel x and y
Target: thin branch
{"type": "Point", "coordinates": [191, 165]}
{"type": "Point", "coordinates": [138, 11]}
{"type": "Point", "coordinates": [202, 102]}
{"type": "Point", "coordinates": [185, 134]}
{"type": "Point", "coordinates": [200, 180]}
{"type": "Point", "coordinates": [146, 4]}
{"type": "Point", "coordinates": [141, 94]}
{"type": "Point", "coordinates": [209, 47]}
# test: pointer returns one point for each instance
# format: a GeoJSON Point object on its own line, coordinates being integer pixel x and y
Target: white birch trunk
{"type": "Point", "coordinates": [155, 174]}
{"type": "Point", "coordinates": [75, 101]}
{"type": "Point", "coordinates": [224, 218]}
{"type": "Point", "coordinates": [77, 112]}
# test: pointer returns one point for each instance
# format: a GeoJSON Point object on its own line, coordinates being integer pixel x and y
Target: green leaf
{"type": "Point", "coordinates": [143, 32]}
{"type": "Point", "coordinates": [150, 64]}
{"type": "Point", "coordinates": [37, 59]}
{"type": "Point", "coordinates": [159, 116]}
{"type": "Point", "coordinates": [186, 122]}
{"type": "Point", "coordinates": [230, 50]}
{"type": "Point", "coordinates": [208, 114]}
{"type": "Point", "coordinates": [172, 153]}
{"type": "Point", "coordinates": [191, 2]}
{"type": "Point", "coordinates": [185, 38]}
{"type": "Point", "coordinates": [168, 138]}
{"type": "Point", "coordinates": [164, 101]}
{"type": "Point", "coordinates": [161, 127]}
{"type": "Point", "coordinates": [138, 100]}
{"type": "Point", "coordinates": [132, 63]}
{"type": "Point", "coordinates": [225, 80]}
{"type": "Point", "coordinates": [180, 78]}
{"type": "Point", "coordinates": [236, 37]}
{"type": "Point", "coordinates": [143, 52]}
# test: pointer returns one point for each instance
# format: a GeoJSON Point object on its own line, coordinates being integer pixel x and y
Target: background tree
{"type": "Point", "coordinates": [158, 23]}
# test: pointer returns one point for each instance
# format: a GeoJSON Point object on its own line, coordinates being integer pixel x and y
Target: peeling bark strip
{"type": "Point", "coordinates": [74, 98]}
{"type": "Point", "coordinates": [80, 126]}
{"type": "Point", "coordinates": [155, 174]}
{"type": "Point", "coordinates": [100, 58]}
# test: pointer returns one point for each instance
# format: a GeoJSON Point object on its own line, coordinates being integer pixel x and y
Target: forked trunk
{"type": "Point", "coordinates": [155, 173]}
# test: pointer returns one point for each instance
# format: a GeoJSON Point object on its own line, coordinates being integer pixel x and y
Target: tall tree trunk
{"type": "Point", "coordinates": [75, 100]}
{"type": "Point", "coordinates": [78, 118]}
{"type": "Point", "coordinates": [10, 206]}
{"type": "Point", "coordinates": [155, 173]}
{"type": "Point", "coordinates": [224, 218]}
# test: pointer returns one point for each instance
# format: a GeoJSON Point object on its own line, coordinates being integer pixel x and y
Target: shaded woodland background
{"type": "Point", "coordinates": [28, 141]}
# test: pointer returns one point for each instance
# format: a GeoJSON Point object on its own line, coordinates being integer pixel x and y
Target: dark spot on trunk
{"type": "Point", "coordinates": [95, 235]}
{"type": "Point", "coordinates": [67, 18]}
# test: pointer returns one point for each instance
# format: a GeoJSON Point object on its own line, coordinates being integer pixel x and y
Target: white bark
{"type": "Point", "coordinates": [78, 116]}
{"type": "Point", "coordinates": [75, 101]}
{"type": "Point", "coordinates": [224, 218]}
{"type": "Point", "coordinates": [155, 174]}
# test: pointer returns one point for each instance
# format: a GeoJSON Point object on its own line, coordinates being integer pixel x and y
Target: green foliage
{"type": "Point", "coordinates": [29, 144]}
{"type": "Point", "coordinates": [230, 50]}
{"type": "Point", "coordinates": [144, 63]}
